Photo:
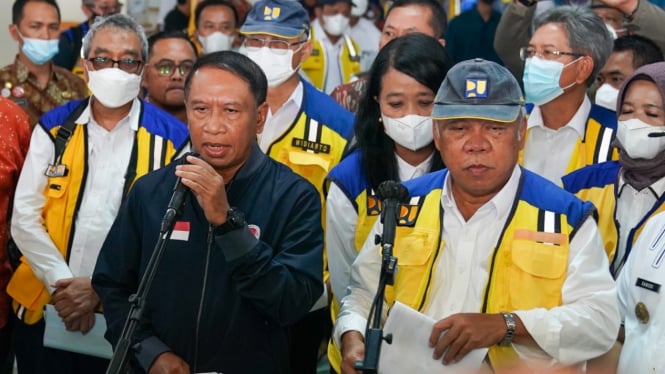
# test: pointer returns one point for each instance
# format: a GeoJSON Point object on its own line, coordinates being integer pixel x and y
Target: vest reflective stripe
{"type": "Point", "coordinates": [316, 66]}
{"type": "Point", "coordinates": [64, 195]}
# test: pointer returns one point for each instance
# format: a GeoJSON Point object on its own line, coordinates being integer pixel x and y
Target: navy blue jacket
{"type": "Point", "coordinates": [222, 303]}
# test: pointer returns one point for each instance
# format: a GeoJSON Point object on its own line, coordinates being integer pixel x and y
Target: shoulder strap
{"type": "Point", "coordinates": [66, 130]}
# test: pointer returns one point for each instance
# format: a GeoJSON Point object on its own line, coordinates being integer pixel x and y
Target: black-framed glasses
{"type": "Point", "coordinates": [129, 65]}
{"type": "Point", "coordinates": [545, 54]}
{"type": "Point", "coordinates": [278, 46]}
{"type": "Point", "coordinates": [167, 67]}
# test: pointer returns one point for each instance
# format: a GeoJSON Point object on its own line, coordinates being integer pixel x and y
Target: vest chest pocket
{"type": "Point", "coordinates": [312, 166]}
{"type": "Point", "coordinates": [414, 256]}
{"type": "Point", "coordinates": [57, 187]}
{"type": "Point", "coordinates": [537, 274]}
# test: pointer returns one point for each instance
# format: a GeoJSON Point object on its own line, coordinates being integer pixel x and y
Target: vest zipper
{"type": "Point", "coordinates": [201, 301]}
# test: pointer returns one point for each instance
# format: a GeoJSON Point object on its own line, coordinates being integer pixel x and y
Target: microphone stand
{"type": "Point", "coordinates": [394, 193]}
{"type": "Point", "coordinates": [137, 300]}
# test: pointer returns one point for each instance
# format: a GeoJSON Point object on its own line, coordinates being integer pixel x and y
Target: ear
{"type": "Point", "coordinates": [584, 69]}
{"type": "Point", "coordinates": [262, 114]}
{"type": "Point", "coordinates": [306, 51]}
{"type": "Point", "coordinates": [317, 12]}
{"type": "Point", "coordinates": [13, 31]}
{"type": "Point", "coordinates": [521, 133]}
{"type": "Point", "coordinates": [84, 64]}
{"type": "Point", "coordinates": [437, 135]}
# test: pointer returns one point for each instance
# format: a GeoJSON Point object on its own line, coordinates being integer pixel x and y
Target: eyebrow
{"type": "Point", "coordinates": [125, 52]}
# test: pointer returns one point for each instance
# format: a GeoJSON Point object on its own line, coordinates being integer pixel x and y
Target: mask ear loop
{"type": "Point", "coordinates": [568, 64]}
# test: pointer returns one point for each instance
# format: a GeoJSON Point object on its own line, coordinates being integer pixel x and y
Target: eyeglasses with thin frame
{"type": "Point", "coordinates": [278, 46]}
{"type": "Point", "coordinates": [167, 68]}
{"type": "Point", "coordinates": [129, 65]}
{"type": "Point", "coordinates": [545, 54]}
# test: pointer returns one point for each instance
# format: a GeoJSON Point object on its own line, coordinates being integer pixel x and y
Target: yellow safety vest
{"type": "Point", "coordinates": [316, 67]}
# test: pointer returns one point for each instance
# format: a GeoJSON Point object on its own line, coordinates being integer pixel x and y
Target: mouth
{"type": "Point", "coordinates": [215, 149]}
{"type": "Point", "coordinates": [477, 168]}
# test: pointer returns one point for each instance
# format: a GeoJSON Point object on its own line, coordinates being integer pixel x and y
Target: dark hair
{"type": "Point", "coordinates": [17, 9]}
{"type": "Point", "coordinates": [645, 51]}
{"type": "Point", "coordinates": [206, 3]}
{"type": "Point", "coordinates": [438, 22]}
{"type": "Point", "coordinates": [418, 56]}
{"type": "Point", "coordinates": [174, 34]}
{"type": "Point", "coordinates": [235, 63]}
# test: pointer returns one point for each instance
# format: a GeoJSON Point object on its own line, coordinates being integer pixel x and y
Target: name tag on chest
{"type": "Point", "coordinates": [648, 285]}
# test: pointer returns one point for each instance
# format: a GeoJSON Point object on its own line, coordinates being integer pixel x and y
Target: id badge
{"type": "Point", "coordinates": [53, 171]}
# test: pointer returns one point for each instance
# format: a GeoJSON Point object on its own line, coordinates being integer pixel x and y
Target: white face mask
{"type": "Point", "coordinates": [633, 134]}
{"type": "Point", "coordinates": [411, 132]}
{"type": "Point", "coordinates": [113, 87]}
{"type": "Point", "coordinates": [215, 42]}
{"type": "Point", "coordinates": [277, 68]}
{"type": "Point", "coordinates": [335, 25]}
{"type": "Point", "coordinates": [606, 96]}
{"type": "Point", "coordinates": [359, 7]}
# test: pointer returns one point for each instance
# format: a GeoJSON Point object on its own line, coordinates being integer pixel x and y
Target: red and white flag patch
{"type": "Point", "coordinates": [255, 230]}
{"type": "Point", "coordinates": [180, 231]}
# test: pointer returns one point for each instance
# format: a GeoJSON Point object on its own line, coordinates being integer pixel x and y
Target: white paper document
{"type": "Point", "coordinates": [92, 343]}
{"type": "Point", "coordinates": [410, 351]}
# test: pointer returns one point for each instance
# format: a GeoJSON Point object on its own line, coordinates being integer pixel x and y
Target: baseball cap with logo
{"type": "Point", "coordinates": [281, 18]}
{"type": "Point", "coordinates": [479, 89]}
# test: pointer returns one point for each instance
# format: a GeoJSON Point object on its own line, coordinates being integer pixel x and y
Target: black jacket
{"type": "Point", "coordinates": [222, 303]}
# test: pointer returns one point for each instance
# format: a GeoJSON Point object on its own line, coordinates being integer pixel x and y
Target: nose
{"type": "Point", "coordinates": [476, 141]}
{"type": "Point", "coordinates": [216, 123]}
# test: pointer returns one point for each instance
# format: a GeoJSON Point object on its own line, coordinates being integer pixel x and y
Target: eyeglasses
{"type": "Point", "coordinates": [546, 54]}
{"type": "Point", "coordinates": [129, 65]}
{"type": "Point", "coordinates": [107, 9]}
{"type": "Point", "coordinates": [167, 68]}
{"type": "Point", "coordinates": [278, 46]}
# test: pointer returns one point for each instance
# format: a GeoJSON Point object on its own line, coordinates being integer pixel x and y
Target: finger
{"type": "Point", "coordinates": [444, 342]}
{"type": "Point", "coordinates": [64, 282]}
{"type": "Point", "coordinates": [88, 322]}
{"type": "Point", "coordinates": [455, 347]}
{"type": "Point", "coordinates": [466, 348]}
{"type": "Point", "coordinates": [439, 327]}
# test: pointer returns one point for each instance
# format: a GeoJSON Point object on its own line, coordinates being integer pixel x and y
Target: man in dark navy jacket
{"type": "Point", "coordinates": [245, 258]}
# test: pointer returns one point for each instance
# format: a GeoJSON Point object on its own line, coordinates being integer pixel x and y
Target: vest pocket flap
{"type": "Point", "coordinates": [305, 158]}
{"type": "Point", "coordinates": [540, 259]}
{"type": "Point", "coordinates": [56, 187]}
{"type": "Point", "coordinates": [414, 249]}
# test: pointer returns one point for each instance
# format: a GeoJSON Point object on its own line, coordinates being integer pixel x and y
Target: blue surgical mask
{"type": "Point", "coordinates": [541, 80]}
{"type": "Point", "coordinates": [39, 51]}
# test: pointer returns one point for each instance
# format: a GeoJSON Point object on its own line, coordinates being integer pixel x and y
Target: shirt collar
{"type": "Point", "coordinates": [408, 171]}
{"type": "Point", "coordinates": [501, 203]}
{"type": "Point", "coordinates": [577, 123]}
{"type": "Point", "coordinates": [133, 116]}
{"type": "Point", "coordinates": [657, 188]}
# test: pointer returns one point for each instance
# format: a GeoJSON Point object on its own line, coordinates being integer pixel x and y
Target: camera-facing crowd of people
{"type": "Point", "coordinates": [236, 162]}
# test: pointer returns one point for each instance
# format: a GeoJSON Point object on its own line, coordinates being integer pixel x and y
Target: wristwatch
{"type": "Point", "coordinates": [235, 219]}
{"type": "Point", "coordinates": [510, 329]}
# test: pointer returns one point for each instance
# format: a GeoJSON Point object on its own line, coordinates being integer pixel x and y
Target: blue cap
{"type": "Point", "coordinates": [478, 89]}
{"type": "Point", "coordinates": [281, 18]}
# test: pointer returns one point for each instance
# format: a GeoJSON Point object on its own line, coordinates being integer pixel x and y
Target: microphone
{"type": "Point", "coordinates": [391, 193]}
{"type": "Point", "coordinates": [177, 199]}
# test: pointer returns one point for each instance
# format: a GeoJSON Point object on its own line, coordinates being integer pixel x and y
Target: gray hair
{"type": "Point", "coordinates": [586, 33]}
{"type": "Point", "coordinates": [117, 21]}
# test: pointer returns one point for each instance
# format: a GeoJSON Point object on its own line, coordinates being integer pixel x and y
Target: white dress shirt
{"type": "Point", "coordinates": [341, 219]}
{"type": "Point", "coordinates": [583, 327]}
{"type": "Point", "coordinates": [279, 122]}
{"type": "Point", "coordinates": [108, 158]}
{"type": "Point", "coordinates": [367, 35]}
{"type": "Point", "coordinates": [333, 73]}
{"type": "Point", "coordinates": [641, 281]}
{"type": "Point", "coordinates": [547, 152]}
{"type": "Point", "coordinates": [632, 206]}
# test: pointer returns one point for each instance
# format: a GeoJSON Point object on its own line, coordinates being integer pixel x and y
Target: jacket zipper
{"type": "Point", "coordinates": [203, 290]}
